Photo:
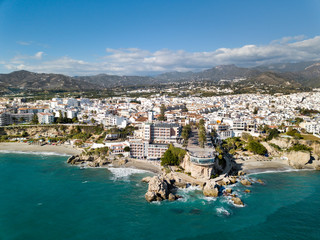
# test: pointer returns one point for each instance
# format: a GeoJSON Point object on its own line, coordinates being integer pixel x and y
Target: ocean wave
{"type": "Point", "coordinates": [190, 189]}
{"type": "Point", "coordinates": [35, 153]}
{"type": "Point", "coordinates": [124, 173]}
{"type": "Point", "coordinates": [280, 171]}
{"type": "Point", "coordinates": [222, 211]}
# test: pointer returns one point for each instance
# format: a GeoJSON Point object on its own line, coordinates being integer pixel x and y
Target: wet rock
{"type": "Point", "coordinates": [245, 182]}
{"type": "Point", "coordinates": [151, 196]}
{"type": "Point", "coordinates": [237, 201]}
{"type": "Point", "coordinates": [247, 191]}
{"type": "Point", "coordinates": [260, 181]}
{"type": "Point", "coordinates": [146, 179]}
{"type": "Point", "coordinates": [233, 180]}
{"type": "Point", "coordinates": [171, 197]}
{"type": "Point", "coordinates": [211, 189]}
{"type": "Point", "coordinates": [228, 190]}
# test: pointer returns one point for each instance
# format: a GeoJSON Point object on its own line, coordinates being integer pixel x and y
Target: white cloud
{"type": "Point", "coordinates": [24, 43]}
{"type": "Point", "coordinates": [125, 61]}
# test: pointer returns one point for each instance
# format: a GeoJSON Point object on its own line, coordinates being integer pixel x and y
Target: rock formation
{"type": "Point", "coordinates": [90, 161]}
{"type": "Point", "coordinates": [237, 201]}
{"type": "Point", "coordinates": [298, 159]}
{"type": "Point", "coordinates": [161, 188]}
{"type": "Point", "coordinates": [245, 182]}
{"type": "Point", "coordinates": [211, 189]}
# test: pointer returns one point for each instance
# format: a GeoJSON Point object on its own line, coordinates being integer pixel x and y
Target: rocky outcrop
{"type": "Point", "coordinates": [161, 188]}
{"type": "Point", "coordinates": [271, 150]}
{"type": "Point", "coordinates": [146, 179]}
{"type": "Point", "coordinates": [299, 159]}
{"type": "Point", "coordinates": [228, 190]}
{"type": "Point", "coordinates": [245, 182]}
{"type": "Point", "coordinates": [237, 201]}
{"type": "Point", "coordinates": [211, 189]}
{"type": "Point", "coordinates": [283, 142]}
{"type": "Point", "coordinates": [90, 161]}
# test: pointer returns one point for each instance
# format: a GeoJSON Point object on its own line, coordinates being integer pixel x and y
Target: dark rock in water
{"type": "Point", "coordinates": [195, 211]}
{"type": "Point", "coordinates": [171, 197]}
{"type": "Point", "coordinates": [260, 181]}
{"type": "Point", "coordinates": [177, 210]}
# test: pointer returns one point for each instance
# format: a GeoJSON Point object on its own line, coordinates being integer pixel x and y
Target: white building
{"type": "Point", "coordinates": [45, 118]}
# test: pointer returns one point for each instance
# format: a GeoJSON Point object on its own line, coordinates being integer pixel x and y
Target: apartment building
{"type": "Point", "coordinates": [45, 118]}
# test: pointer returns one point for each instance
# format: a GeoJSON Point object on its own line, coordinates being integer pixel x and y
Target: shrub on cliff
{"type": "Point", "coordinates": [300, 147]}
{"type": "Point", "coordinates": [256, 148]}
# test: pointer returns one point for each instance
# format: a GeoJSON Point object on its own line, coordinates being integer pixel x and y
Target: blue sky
{"type": "Point", "coordinates": [80, 37]}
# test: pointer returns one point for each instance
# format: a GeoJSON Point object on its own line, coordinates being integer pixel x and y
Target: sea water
{"type": "Point", "coordinates": [41, 197]}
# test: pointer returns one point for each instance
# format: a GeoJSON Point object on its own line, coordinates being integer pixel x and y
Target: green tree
{"type": "Point", "coordinates": [35, 119]}
{"type": "Point", "coordinates": [272, 133]}
{"type": "Point", "coordinates": [162, 116]}
{"type": "Point", "coordinates": [126, 149]}
{"type": "Point", "coordinates": [75, 120]}
{"type": "Point", "coordinates": [169, 159]}
{"type": "Point", "coordinates": [65, 118]}
{"type": "Point", "coordinates": [185, 134]}
{"type": "Point", "coordinates": [60, 118]}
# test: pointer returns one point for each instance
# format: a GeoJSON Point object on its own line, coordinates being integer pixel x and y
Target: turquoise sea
{"type": "Point", "coordinates": [41, 197]}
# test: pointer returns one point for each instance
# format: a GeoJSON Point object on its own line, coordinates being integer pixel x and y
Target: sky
{"type": "Point", "coordinates": [135, 37]}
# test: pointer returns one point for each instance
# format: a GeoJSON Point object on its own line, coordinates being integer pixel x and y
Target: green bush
{"type": "Point", "coordinates": [257, 148]}
{"type": "Point", "coordinates": [173, 156]}
{"type": "Point", "coordinates": [300, 147]}
{"type": "Point", "coordinates": [275, 146]}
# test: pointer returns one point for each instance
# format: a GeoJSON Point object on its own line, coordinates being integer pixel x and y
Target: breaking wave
{"type": "Point", "coordinates": [36, 153]}
{"type": "Point", "coordinates": [124, 173]}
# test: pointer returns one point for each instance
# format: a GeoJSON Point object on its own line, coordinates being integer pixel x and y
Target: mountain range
{"type": "Point", "coordinates": [303, 74]}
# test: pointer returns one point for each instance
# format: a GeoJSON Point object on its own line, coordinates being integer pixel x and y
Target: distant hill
{"type": "Point", "coordinates": [110, 81]}
{"type": "Point", "coordinates": [24, 80]}
{"type": "Point", "coordinates": [292, 75]}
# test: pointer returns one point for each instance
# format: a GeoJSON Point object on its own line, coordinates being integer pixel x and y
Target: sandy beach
{"type": "Point", "coordinates": [25, 147]}
{"type": "Point", "coordinates": [257, 165]}
{"type": "Point", "coordinates": [144, 165]}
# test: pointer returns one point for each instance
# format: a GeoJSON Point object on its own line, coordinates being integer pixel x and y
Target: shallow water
{"type": "Point", "coordinates": [44, 198]}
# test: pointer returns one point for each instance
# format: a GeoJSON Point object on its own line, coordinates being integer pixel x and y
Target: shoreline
{"type": "Point", "coordinates": [25, 147]}
{"type": "Point", "coordinates": [249, 166]}
{"type": "Point", "coordinates": [18, 147]}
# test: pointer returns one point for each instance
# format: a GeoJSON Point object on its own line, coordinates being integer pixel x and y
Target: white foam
{"type": "Point", "coordinates": [280, 171]}
{"type": "Point", "coordinates": [36, 153]}
{"type": "Point", "coordinates": [210, 199]}
{"type": "Point", "coordinates": [222, 211]}
{"type": "Point", "coordinates": [190, 189]}
{"type": "Point", "coordinates": [124, 173]}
